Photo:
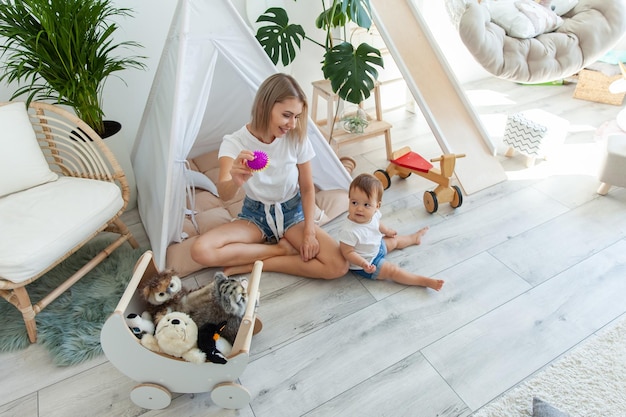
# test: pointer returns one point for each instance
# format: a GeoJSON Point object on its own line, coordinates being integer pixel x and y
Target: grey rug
{"type": "Point", "coordinates": [69, 328]}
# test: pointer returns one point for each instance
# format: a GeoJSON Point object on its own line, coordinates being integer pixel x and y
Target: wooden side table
{"type": "Point", "coordinates": [338, 136]}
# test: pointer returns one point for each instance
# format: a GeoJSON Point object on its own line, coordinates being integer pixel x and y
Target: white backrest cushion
{"type": "Point", "coordinates": [522, 18]}
{"type": "Point", "coordinates": [563, 6]}
{"type": "Point", "coordinates": [22, 164]}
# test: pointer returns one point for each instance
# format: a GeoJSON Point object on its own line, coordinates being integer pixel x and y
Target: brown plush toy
{"type": "Point", "coordinates": [162, 291]}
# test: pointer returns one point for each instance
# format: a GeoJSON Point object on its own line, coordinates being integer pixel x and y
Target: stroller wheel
{"type": "Point", "coordinates": [151, 396]}
{"type": "Point", "coordinates": [230, 395]}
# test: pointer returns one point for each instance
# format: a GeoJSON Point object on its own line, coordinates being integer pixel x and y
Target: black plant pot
{"type": "Point", "coordinates": [111, 127]}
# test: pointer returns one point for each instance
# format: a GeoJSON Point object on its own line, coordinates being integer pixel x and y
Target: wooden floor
{"type": "Point", "coordinates": [533, 266]}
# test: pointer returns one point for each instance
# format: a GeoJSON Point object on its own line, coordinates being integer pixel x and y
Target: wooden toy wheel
{"type": "Point", "coordinates": [258, 325]}
{"type": "Point", "coordinates": [230, 395]}
{"type": "Point", "coordinates": [405, 175]}
{"type": "Point", "coordinates": [382, 175]}
{"type": "Point", "coordinates": [430, 201]}
{"type": "Point", "coordinates": [457, 200]}
{"type": "Point", "coordinates": [151, 396]}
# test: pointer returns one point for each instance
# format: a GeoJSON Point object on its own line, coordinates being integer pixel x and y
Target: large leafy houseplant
{"type": "Point", "coordinates": [63, 50]}
{"type": "Point", "coordinates": [351, 70]}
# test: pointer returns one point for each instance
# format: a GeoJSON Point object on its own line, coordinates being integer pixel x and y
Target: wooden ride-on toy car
{"type": "Point", "coordinates": [405, 162]}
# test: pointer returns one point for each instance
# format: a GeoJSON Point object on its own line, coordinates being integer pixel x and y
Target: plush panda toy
{"type": "Point", "coordinates": [140, 325]}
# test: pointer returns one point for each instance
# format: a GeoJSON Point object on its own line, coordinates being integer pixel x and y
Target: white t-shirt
{"type": "Point", "coordinates": [278, 182]}
{"type": "Point", "coordinates": [365, 238]}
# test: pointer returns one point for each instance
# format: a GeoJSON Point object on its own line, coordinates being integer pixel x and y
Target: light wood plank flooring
{"type": "Point", "coordinates": [533, 267]}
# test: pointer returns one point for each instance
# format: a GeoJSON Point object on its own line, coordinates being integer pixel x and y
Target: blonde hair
{"type": "Point", "coordinates": [276, 89]}
{"type": "Point", "coordinates": [369, 184]}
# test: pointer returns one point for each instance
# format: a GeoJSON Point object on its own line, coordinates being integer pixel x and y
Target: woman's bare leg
{"type": "Point", "coordinates": [328, 264]}
{"type": "Point", "coordinates": [402, 276]}
{"type": "Point", "coordinates": [236, 243]}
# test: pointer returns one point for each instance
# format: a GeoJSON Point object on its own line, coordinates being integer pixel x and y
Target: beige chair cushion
{"type": "Point", "coordinates": [588, 31]}
{"type": "Point", "coordinates": [43, 223]}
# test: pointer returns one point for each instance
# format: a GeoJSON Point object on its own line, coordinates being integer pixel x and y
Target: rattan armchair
{"type": "Point", "coordinates": [42, 225]}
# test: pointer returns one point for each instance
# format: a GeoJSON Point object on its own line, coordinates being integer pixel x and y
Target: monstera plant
{"type": "Point", "coordinates": [351, 70]}
{"type": "Point", "coordinates": [63, 50]}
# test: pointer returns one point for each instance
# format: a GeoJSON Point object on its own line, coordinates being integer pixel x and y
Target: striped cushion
{"type": "Point", "coordinates": [524, 135]}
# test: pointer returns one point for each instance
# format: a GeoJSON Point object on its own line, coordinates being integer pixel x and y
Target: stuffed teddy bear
{"type": "Point", "coordinates": [210, 342]}
{"type": "Point", "coordinates": [140, 325]}
{"type": "Point", "coordinates": [176, 335]}
{"type": "Point", "coordinates": [162, 292]}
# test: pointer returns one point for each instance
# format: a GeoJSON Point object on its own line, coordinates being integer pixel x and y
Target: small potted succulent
{"type": "Point", "coordinates": [63, 50]}
{"type": "Point", "coordinates": [356, 121]}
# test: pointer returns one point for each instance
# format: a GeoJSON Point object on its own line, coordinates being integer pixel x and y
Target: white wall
{"type": "Point", "coordinates": [124, 101]}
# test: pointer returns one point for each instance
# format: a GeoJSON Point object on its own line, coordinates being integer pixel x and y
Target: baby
{"type": "Point", "coordinates": [364, 241]}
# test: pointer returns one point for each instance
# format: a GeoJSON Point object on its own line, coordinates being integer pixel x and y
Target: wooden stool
{"type": "Point", "coordinates": [338, 137]}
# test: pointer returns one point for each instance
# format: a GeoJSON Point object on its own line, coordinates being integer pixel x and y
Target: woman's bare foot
{"type": "Point", "coordinates": [287, 247]}
{"type": "Point", "coordinates": [237, 270]}
{"type": "Point", "coordinates": [417, 236]}
{"type": "Point", "coordinates": [283, 247]}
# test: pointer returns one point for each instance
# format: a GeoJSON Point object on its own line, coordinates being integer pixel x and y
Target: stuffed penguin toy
{"type": "Point", "coordinates": [210, 342]}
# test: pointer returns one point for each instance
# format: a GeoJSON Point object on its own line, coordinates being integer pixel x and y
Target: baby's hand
{"type": "Point", "coordinates": [391, 233]}
{"type": "Point", "coordinates": [369, 268]}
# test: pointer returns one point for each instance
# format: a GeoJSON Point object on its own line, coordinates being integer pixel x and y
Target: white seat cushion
{"type": "Point", "coordinates": [41, 224]}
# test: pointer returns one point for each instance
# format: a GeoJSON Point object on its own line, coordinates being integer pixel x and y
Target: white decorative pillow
{"type": "Point", "coordinates": [199, 180]}
{"type": "Point", "coordinates": [561, 7]}
{"type": "Point", "coordinates": [455, 9]}
{"type": "Point", "coordinates": [522, 18]}
{"type": "Point", "coordinates": [22, 164]}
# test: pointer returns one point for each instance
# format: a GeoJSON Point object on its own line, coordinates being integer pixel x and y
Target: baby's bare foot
{"type": "Point", "coordinates": [435, 284]}
{"type": "Point", "coordinates": [417, 236]}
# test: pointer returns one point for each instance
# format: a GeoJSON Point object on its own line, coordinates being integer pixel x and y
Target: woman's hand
{"type": "Point", "coordinates": [310, 247]}
{"type": "Point", "coordinates": [240, 172]}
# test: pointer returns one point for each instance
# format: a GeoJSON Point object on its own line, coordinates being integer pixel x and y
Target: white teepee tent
{"type": "Point", "coordinates": [209, 71]}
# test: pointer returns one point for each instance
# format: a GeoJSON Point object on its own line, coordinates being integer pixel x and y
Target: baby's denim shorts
{"type": "Point", "coordinates": [378, 261]}
{"type": "Point", "coordinates": [254, 212]}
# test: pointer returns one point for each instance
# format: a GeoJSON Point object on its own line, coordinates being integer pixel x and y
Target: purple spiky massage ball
{"type": "Point", "coordinates": [260, 161]}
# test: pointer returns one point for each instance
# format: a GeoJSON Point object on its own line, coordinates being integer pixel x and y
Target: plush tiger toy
{"type": "Point", "coordinates": [224, 299]}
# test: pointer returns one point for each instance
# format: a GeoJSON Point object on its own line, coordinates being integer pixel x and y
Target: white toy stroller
{"type": "Point", "coordinates": [159, 375]}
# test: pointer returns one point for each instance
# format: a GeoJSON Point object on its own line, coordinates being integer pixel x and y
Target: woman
{"type": "Point", "coordinates": [279, 206]}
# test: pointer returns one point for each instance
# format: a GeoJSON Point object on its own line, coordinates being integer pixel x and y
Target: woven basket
{"type": "Point", "coordinates": [594, 86]}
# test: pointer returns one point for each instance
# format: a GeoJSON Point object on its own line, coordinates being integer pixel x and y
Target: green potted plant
{"type": "Point", "coordinates": [355, 122]}
{"type": "Point", "coordinates": [63, 50]}
{"type": "Point", "coordinates": [350, 69]}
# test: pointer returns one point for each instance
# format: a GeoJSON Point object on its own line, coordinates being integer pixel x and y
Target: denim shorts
{"type": "Point", "coordinates": [254, 212]}
{"type": "Point", "coordinates": [378, 261]}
